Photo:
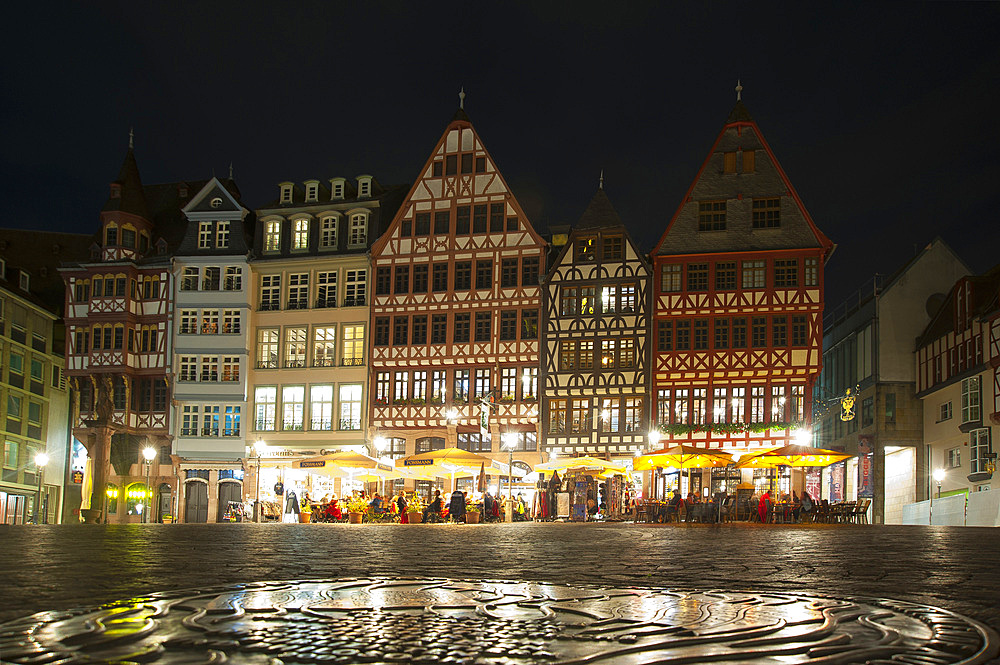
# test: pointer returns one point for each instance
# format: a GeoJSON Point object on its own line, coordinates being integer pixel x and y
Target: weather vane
{"type": "Point", "coordinates": [461, 98]}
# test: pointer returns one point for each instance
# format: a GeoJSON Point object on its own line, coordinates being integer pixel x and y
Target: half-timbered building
{"type": "Point", "coordinates": [455, 316]}
{"type": "Point", "coordinates": [594, 356]}
{"type": "Point", "coordinates": [958, 380]}
{"type": "Point", "coordinates": [211, 278]}
{"type": "Point", "coordinates": [118, 312]}
{"type": "Point", "coordinates": [738, 301]}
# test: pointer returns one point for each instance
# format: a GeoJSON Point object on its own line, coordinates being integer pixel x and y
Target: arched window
{"type": "Point", "coordinates": [112, 493]}
{"type": "Point", "coordinates": [137, 498]}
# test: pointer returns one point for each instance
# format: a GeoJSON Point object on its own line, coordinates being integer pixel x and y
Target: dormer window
{"type": "Point", "coordinates": [143, 242]}
{"type": "Point", "coordinates": [23, 281]}
{"type": "Point", "coordinates": [328, 232]}
{"type": "Point", "coordinates": [205, 235]}
{"type": "Point", "coordinates": [222, 235]}
{"type": "Point", "coordinates": [272, 236]}
{"type": "Point", "coordinates": [128, 238]}
{"type": "Point", "coordinates": [364, 186]}
{"type": "Point", "coordinates": [300, 235]}
{"type": "Point", "coordinates": [286, 192]}
{"type": "Point", "coordinates": [359, 230]}
{"type": "Point", "coordinates": [116, 190]}
{"type": "Point", "coordinates": [111, 236]}
{"type": "Point", "coordinates": [312, 191]}
{"type": "Point", "coordinates": [3, 268]}
{"type": "Point", "coordinates": [161, 246]}
{"type": "Point", "coordinates": [337, 189]}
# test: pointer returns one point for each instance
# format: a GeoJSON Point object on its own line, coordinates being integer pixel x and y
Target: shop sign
{"type": "Point", "coordinates": [314, 464]}
{"type": "Point", "coordinates": [418, 462]}
{"type": "Point", "coordinates": [866, 479]}
{"type": "Point", "coordinates": [383, 467]}
{"type": "Point", "coordinates": [523, 466]}
{"type": "Point", "coordinates": [78, 477]}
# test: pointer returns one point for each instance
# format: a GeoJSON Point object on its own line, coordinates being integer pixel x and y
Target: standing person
{"type": "Point", "coordinates": [763, 506]}
{"type": "Point", "coordinates": [401, 505]}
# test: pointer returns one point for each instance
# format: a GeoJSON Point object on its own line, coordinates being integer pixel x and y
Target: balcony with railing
{"type": "Point", "coordinates": [269, 306]}
{"type": "Point", "coordinates": [323, 303]}
{"type": "Point", "coordinates": [297, 303]}
{"type": "Point", "coordinates": [350, 423]}
{"type": "Point", "coordinates": [357, 301]}
{"type": "Point", "coordinates": [295, 363]}
{"type": "Point", "coordinates": [321, 424]}
{"type": "Point", "coordinates": [352, 362]}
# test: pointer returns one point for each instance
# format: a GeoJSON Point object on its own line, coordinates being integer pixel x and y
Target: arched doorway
{"type": "Point", "coordinates": [230, 492]}
{"type": "Point", "coordinates": [195, 502]}
{"type": "Point", "coordinates": [165, 503]}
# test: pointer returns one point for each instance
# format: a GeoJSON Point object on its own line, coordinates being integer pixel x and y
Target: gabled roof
{"type": "Point", "coordinates": [985, 292]}
{"type": "Point", "coordinates": [132, 199]}
{"type": "Point", "coordinates": [200, 208]}
{"type": "Point", "coordinates": [202, 202]}
{"type": "Point", "coordinates": [600, 215]}
{"type": "Point", "coordinates": [424, 186]}
{"type": "Point", "coordinates": [767, 180]}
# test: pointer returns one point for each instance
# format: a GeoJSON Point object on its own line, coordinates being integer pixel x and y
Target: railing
{"type": "Point", "coordinates": [352, 362]}
{"type": "Point", "coordinates": [210, 285]}
{"type": "Point", "coordinates": [350, 423]}
{"type": "Point", "coordinates": [208, 431]}
{"type": "Point", "coordinates": [854, 302]}
{"type": "Point", "coordinates": [188, 330]}
{"type": "Point", "coordinates": [188, 376]}
{"type": "Point", "coordinates": [299, 303]}
{"type": "Point", "coordinates": [231, 432]}
{"type": "Point", "coordinates": [325, 424]}
{"type": "Point", "coordinates": [209, 376]}
{"type": "Point", "coordinates": [267, 364]}
{"type": "Point", "coordinates": [325, 303]}
{"type": "Point", "coordinates": [295, 364]}
{"type": "Point", "coordinates": [324, 362]}
{"type": "Point", "coordinates": [291, 426]}
{"type": "Point", "coordinates": [209, 328]}
{"type": "Point", "coordinates": [354, 302]}
{"type": "Point", "coordinates": [269, 307]}
{"type": "Point", "coordinates": [232, 328]}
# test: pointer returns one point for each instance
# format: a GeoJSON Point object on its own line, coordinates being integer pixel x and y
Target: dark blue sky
{"type": "Point", "coordinates": [883, 115]}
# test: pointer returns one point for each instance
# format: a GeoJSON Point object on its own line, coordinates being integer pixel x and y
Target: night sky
{"type": "Point", "coordinates": [884, 116]}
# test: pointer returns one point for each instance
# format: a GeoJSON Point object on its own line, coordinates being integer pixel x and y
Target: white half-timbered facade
{"type": "Point", "coordinates": [738, 301]}
{"type": "Point", "coordinates": [455, 315]}
{"type": "Point", "coordinates": [595, 354]}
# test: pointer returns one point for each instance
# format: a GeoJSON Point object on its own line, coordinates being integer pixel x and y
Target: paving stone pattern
{"type": "Point", "coordinates": [61, 567]}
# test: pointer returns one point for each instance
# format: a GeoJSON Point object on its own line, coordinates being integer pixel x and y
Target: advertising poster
{"type": "Point", "coordinates": [580, 501]}
{"type": "Point", "coordinates": [837, 482]}
{"type": "Point", "coordinates": [866, 480]}
{"type": "Point", "coordinates": [814, 483]}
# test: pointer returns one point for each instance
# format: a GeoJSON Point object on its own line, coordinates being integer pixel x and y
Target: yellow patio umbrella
{"type": "Point", "coordinates": [682, 457]}
{"type": "Point", "coordinates": [792, 455]}
{"type": "Point", "coordinates": [593, 463]}
{"type": "Point", "coordinates": [339, 462]}
{"type": "Point", "coordinates": [449, 460]}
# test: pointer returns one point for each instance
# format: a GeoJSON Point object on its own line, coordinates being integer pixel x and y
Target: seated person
{"type": "Point", "coordinates": [376, 504]}
{"type": "Point", "coordinates": [433, 508]}
{"type": "Point", "coordinates": [674, 506]}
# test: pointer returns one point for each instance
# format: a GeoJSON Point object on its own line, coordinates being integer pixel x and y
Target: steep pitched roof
{"type": "Point", "coordinates": [459, 137]}
{"type": "Point", "coordinates": [599, 213]}
{"type": "Point", "coordinates": [132, 198]}
{"type": "Point", "coordinates": [764, 179]}
{"type": "Point", "coordinates": [985, 292]}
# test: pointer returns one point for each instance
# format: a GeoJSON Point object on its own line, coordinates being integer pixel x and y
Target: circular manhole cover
{"type": "Point", "coordinates": [483, 622]}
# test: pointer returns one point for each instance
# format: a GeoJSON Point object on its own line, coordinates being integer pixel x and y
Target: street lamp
{"type": "Point", "coordinates": [938, 477]}
{"type": "Point", "coordinates": [257, 450]}
{"type": "Point", "coordinates": [509, 443]}
{"type": "Point", "coordinates": [41, 459]}
{"type": "Point", "coordinates": [148, 454]}
{"type": "Point", "coordinates": [653, 437]}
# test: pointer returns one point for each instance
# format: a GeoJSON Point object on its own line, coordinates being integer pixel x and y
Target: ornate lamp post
{"type": "Point", "coordinates": [41, 459]}
{"type": "Point", "coordinates": [257, 450]}
{"type": "Point", "coordinates": [148, 455]}
{"type": "Point", "coordinates": [509, 443]}
{"type": "Point", "coordinates": [938, 477]}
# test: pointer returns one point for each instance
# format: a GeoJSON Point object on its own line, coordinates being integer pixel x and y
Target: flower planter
{"type": "Point", "coordinates": [414, 517]}
{"type": "Point", "coordinates": [354, 518]}
{"type": "Point", "coordinates": [472, 518]}
{"type": "Point", "coordinates": [305, 518]}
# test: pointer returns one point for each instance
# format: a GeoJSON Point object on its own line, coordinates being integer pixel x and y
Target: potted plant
{"type": "Point", "coordinates": [356, 507]}
{"type": "Point", "coordinates": [305, 512]}
{"type": "Point", "coordinates": [472, 512]}
{"type": "Point", "coordinates": [415, 509]}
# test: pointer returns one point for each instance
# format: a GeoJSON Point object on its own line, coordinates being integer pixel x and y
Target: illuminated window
{"type": "Point", "coordinates": [272, 236]}
{"type": "Point", "coordinates": [325, 346]}
{"type": "Point", "coordinates": [529, 383]}
{"type": "Point", "coordinates": [265, 406]}
{"type": "Point", "coordinates": [328, 232]}
{"type": "Point", "coordinates": [321, 408]}
{"type": "Point", "coordinates": [293, 408]}
{"type": "Point", "coordinates": [586, 249]}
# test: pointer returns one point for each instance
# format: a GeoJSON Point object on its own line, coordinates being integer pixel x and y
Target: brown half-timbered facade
{"type": "Point", "coordinates": [738, 308]}
{"type": "Point", "coordinates": [595, 356]}
{"type": "Point", "coordinates": [456, 308]}
{"type": "Point", "coordinates": [118, 311]}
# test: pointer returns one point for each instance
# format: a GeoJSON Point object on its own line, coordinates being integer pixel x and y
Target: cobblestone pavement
{"type": "Point", "coordinates": [59, 567]}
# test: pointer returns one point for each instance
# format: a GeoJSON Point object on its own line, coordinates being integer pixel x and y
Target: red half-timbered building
{"type": "Point", "coordinates": [118, 309]}
{"type": "Point", "coordinates": [456, 309]}
{"type": "Point", "coordinates": [738, 301]}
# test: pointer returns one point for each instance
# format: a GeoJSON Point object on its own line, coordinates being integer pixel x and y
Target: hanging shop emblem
{"type": "Point", "coordinates": [847, 405]}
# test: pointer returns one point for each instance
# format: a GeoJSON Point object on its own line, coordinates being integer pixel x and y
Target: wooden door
{"type": "Point", "coordinates": [196, 503]}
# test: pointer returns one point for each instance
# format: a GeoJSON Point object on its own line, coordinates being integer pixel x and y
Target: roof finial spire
{"type": "Point", "coordinates": [131, 139]}
{"type": "Point", "coordinates": [601, 183]}
{"type": "Point", "coordinates": [461, 98]}
{"type": "Point", "coordinates": [739, 91]}
{"type": "Point", "coordinates": [230, 170]}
